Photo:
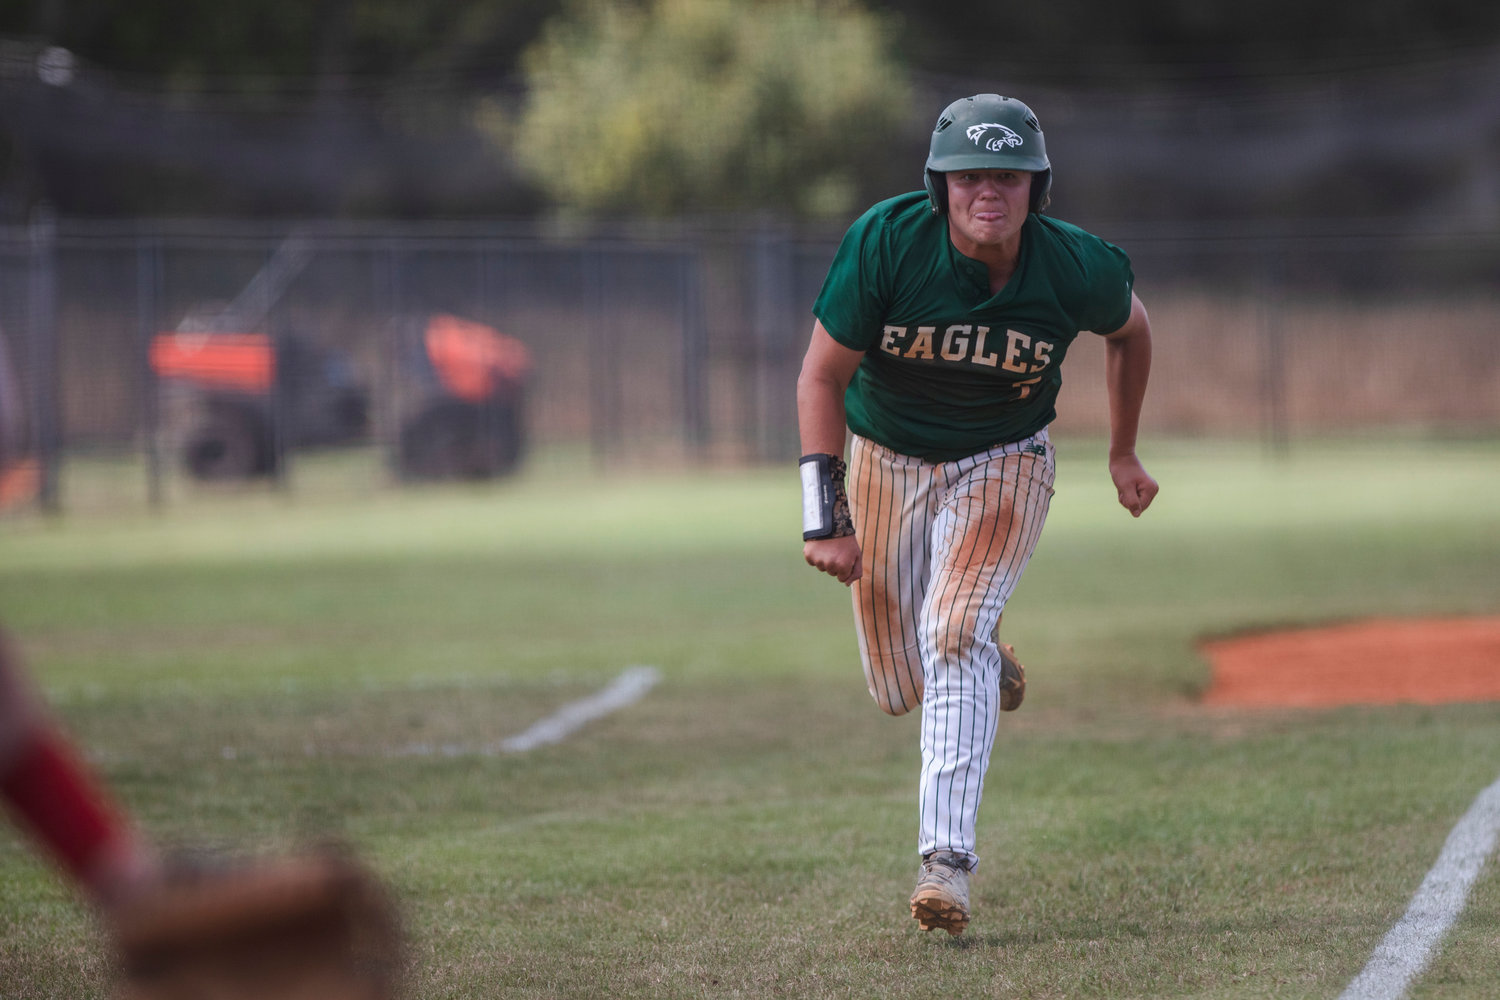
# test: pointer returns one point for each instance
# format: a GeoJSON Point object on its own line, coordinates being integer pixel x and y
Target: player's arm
{"type": "Point", "coordinates": [1127, 369]}
{"type": "Point", "coordinates": [57, 798]}
{"type": "Point", "coordinates": [826, 370]}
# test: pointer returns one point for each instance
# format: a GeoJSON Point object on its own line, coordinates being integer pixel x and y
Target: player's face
{"type": "Point", "coordinates": [986, 208]}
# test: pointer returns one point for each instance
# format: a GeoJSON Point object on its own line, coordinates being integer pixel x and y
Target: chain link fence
{"type": "Point", "coordinates": [223, 355]}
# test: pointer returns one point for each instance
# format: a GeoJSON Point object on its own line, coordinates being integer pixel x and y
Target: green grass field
{"type": "Point", "coordinates": [247, 670]}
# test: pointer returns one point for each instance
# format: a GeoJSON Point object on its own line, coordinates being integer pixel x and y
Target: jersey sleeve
{"type": "Point", "coordinates": [1111, 282]}
{"type": "Point", "coordinates": [852, 303]}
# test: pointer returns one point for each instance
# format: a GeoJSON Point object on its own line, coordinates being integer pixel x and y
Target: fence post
{"type": "Point", "coordinates": [604, 408]}
{"type": "Point", "coordinates": [777, 354]}
{"type": "Point", "coordinates": [387, 301]}
{"type": "Point", "coordinates": [1273, 373]}
{"type": "Point", "coordinates": [694, 354]}
{"type": "Point", "coordinates": [147, 304]}
{"type": "Point", "coordinates": [43, 353]}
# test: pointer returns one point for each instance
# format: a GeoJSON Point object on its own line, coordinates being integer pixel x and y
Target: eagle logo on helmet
{"type": "Point", "coordinates": [992, 136]}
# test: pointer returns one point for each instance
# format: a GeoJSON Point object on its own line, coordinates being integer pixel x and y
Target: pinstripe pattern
{"type": "Point", "coordinates": [944, 546]}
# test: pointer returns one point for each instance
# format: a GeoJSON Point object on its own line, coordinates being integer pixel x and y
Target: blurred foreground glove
{"type": "Point", "coordinates": [315, 927]}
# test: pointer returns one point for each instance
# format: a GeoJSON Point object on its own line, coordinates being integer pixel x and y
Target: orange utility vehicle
{"type": "Point", "coordinates": [244, 400]}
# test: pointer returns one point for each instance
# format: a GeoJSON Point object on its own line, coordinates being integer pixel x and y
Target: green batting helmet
{"type": "Point", "coordinates": [987, 132]}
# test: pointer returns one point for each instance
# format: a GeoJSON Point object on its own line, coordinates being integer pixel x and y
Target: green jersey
{"type": "Point", "coordinates": [950, 369]}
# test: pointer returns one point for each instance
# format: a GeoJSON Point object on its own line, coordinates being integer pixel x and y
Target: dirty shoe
{"type": "Point", "coordinates": [941, 900]}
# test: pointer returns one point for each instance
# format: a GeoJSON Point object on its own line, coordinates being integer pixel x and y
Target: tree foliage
{"type": "Point", "coordinates": [709, 105]}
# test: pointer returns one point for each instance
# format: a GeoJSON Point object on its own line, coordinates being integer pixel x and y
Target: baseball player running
{"type": "Point", "coordinates": [940, 334]}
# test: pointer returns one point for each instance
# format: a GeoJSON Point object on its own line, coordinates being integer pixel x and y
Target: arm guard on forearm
{"type": "Point", "coordinates": [825, 504]}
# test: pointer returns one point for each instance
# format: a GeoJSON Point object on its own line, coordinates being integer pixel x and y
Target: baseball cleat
{"type": "Point", "coordinates": [1012, 679]}
{"type": "Point", "coordinates": [941, 900]}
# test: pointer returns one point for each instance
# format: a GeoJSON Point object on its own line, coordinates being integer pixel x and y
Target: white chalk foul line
{"type": "Point", "coordinates": [632, 683]}
{"type": "Point", "coordinates": [628, 687]}
{"type": "Point", "coordinates": [1408, 947]}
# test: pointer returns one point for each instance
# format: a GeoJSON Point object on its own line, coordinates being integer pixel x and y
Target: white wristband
{"type": "Point", "coordinates": [817, 497]}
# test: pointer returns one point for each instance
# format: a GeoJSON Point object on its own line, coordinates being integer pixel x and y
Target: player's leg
{"type": "Point", "coordinates": [985, 533]}
{"type": "Point", "coordinates": [892, 501]}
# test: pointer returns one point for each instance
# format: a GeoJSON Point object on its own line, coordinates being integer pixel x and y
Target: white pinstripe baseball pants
{"type": "Point", "coordinates": [944, 546]}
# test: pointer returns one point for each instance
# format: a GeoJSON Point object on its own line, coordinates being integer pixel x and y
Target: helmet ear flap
{"type": "Point", "coordinates": [1041, 190]}
{"type": "Point", "coordinates": [937, 191]}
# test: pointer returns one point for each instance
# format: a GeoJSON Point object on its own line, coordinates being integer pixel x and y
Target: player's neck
{"type": "Point", "coordinates": [1000, 274]}
{"type": "Point", "coordinates": [1000, 265]}
{"type": "Point", "coordinates": [999, 258]}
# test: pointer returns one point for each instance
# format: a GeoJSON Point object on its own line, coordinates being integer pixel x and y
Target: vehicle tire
{"type": "Point", "coordinates": [233, 442]}
{"type": "Point", "coordinates": [453, 440]}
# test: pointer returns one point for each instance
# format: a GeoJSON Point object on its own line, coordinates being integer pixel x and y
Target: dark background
{"type": "Point", "coordinates": [1159, 109]}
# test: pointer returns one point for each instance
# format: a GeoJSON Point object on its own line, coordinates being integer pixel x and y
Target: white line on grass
{"type": "Point", "coordinates": [632, 683]}
{"type": "Point", "coordinates": [1409, 946]}
{"type": "Point", "coordinates": [628, 687]}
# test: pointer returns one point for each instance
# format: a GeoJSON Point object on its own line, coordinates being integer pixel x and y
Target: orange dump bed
{"type": "Point", "coordinates": [244, 362]}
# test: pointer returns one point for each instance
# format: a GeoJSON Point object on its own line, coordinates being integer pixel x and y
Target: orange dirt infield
{"type": "Point", "coordinates": [1380, 662]}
